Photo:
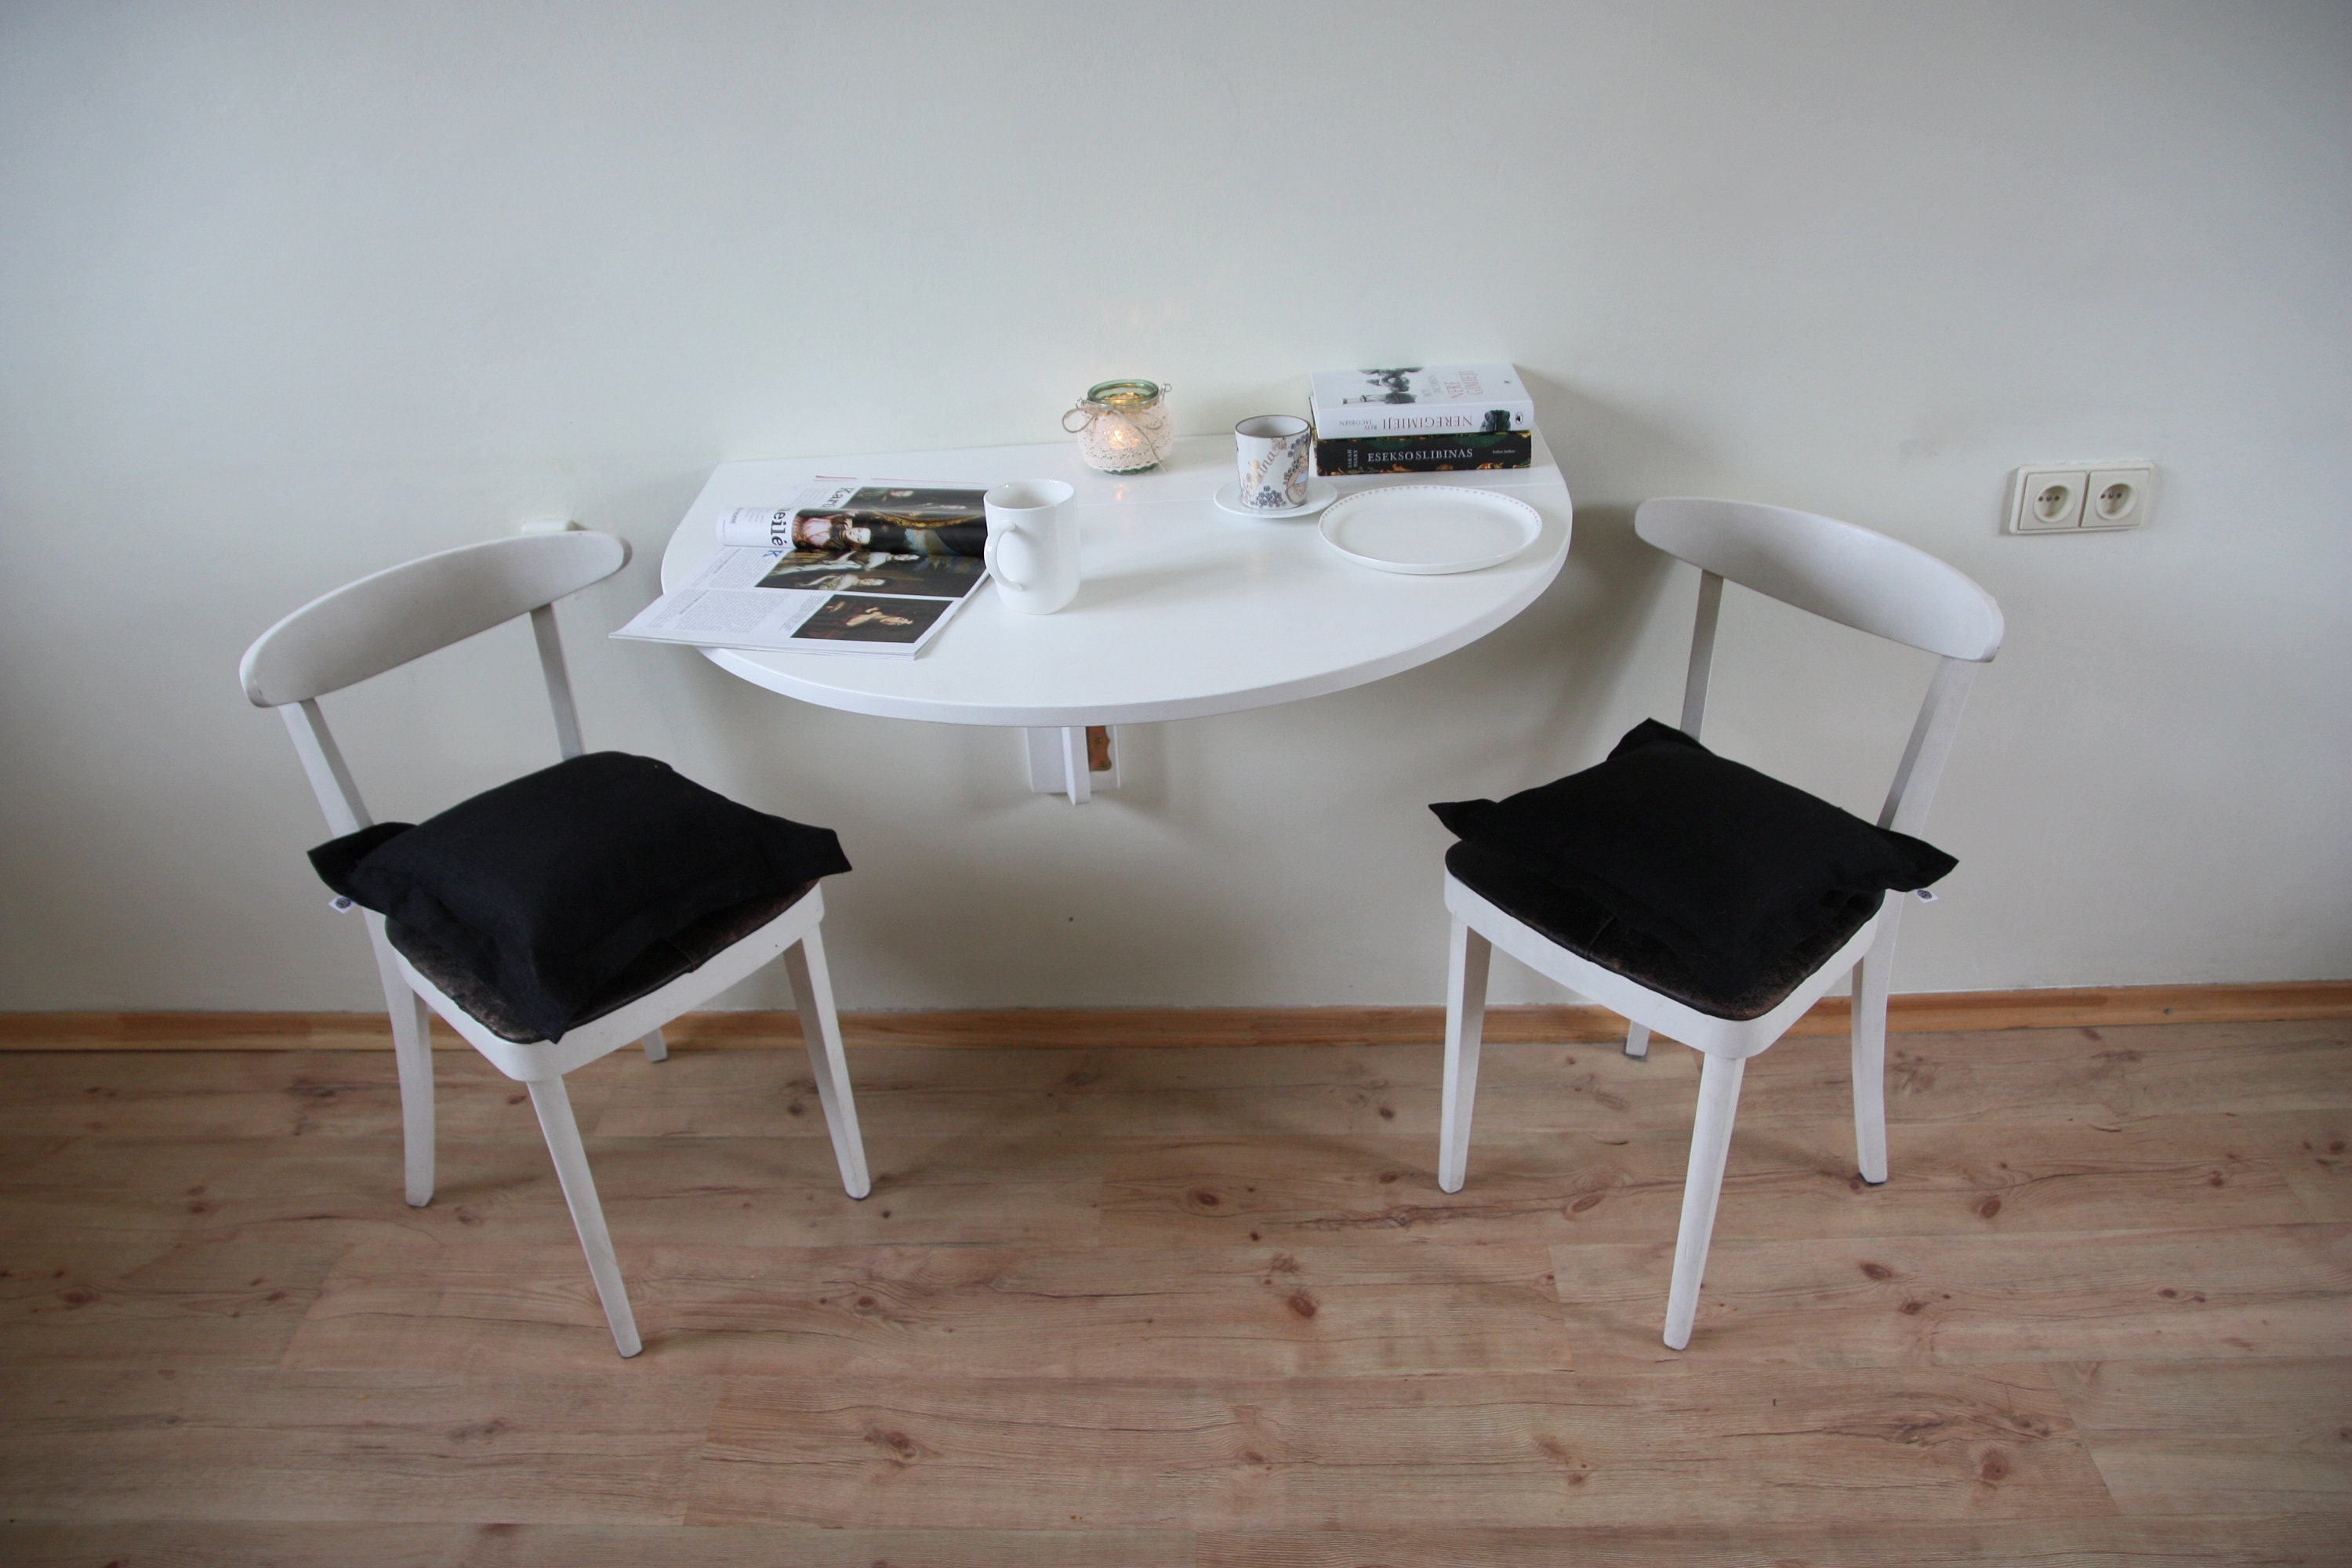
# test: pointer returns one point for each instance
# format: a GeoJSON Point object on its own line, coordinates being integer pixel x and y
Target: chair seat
{"type": "Point", "coordinates": [651, 970]}
{"type": "Point", "coordinates": [1577, 924]}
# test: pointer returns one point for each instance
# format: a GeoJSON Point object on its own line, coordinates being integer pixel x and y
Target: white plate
{"type": "Point", "coordinates": [1321, 493]}
{"type": "Point", "coordinates": [1430, 529]}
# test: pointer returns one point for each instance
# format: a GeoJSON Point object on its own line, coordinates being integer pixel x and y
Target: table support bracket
{"type": "Point", "coordinates": [1075, 762]}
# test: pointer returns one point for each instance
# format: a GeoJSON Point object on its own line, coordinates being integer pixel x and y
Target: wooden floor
{"type": "Point", "coordinates": [1188, 1307]}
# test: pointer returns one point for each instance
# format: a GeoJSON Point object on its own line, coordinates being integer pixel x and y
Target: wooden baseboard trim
{"type": "Point", "coordinates": [1096, 1029]}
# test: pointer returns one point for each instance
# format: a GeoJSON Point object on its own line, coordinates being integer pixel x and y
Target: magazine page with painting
{"type": "Point", "coordinates": [850, 566]}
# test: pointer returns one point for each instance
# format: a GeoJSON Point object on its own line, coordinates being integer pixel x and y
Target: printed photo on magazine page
{"type": "Point", "coordinates": [851, 566]}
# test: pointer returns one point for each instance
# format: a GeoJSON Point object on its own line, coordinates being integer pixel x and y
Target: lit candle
{"type": "Point", "coordinates": [1122, 426]}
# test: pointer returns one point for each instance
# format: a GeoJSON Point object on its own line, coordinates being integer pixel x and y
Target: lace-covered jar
{"type": "Point", "coordinates": [1122, 426]}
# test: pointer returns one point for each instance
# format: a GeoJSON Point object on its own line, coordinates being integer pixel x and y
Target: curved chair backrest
{"type": "Point", "coordinates": [405, 612]}
{"type": "Point", "coordinates": [1844, 573]}
{"type": "Point", "coordinates": [1836, 569]}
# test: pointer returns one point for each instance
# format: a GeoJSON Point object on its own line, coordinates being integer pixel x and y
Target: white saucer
{"type": "Point", "coordinates": [1427, 529]}
{"type": "Point", "coordinates": [1321, 493]}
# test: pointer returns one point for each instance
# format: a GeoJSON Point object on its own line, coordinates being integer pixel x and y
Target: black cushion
{"type": "Point", "coordinates": [546, 888]}
{"type": "Point", "coordinates": [1728, 869]}
{"type": "Point", "coordinates": [675, 955]}
{"type": "Point", "coordinates": [1583, 927]}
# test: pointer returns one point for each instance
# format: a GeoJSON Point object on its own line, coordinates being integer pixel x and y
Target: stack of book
{"type": "Point", "coordinates": [1420, 419]}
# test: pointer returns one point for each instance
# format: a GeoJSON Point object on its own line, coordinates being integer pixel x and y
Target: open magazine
{"type": "Point", "coordinates": [850, 566]}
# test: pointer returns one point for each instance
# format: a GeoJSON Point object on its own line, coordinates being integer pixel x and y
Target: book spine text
{"type": "Point", "coordinates": [1365, 421]}
{"type": "Point", "coordinates": [1423, 454]}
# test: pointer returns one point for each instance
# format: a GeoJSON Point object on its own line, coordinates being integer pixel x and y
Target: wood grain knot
{"type": "Point", "coordinates": [479, 1431]}
{"type": "Point", "coordinates": [900, 1449]}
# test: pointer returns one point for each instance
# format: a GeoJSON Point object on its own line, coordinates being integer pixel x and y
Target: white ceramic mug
{"type": "Point", "coordinates": [1036, 523]}
{"type": "Point", "coordinates": [1273, 449]}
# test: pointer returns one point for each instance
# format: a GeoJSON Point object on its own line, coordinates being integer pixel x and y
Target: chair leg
{"type": "Point", "coordinates": [821, 1030]}
{"type": "Point", "coordinates": [549, 1098]}
{"type": "Point", "coordinates": [1719, 1100]}
{"type": "Point", "coordinates": [1872, 979]}
{"type": "Point", "coordinates": [412, 1049]}
{"type": "Point", "coordinates": [1466, 958]}
{"type": "Point", "coordinates": [656, 1048]}
{"type": "Point", "coordinates": [412, 1054]}
{"type": "Point", "coordinates": [1637, 1040]}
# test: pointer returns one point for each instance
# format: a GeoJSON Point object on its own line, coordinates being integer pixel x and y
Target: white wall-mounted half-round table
{"type": "Point", "coordinates": [1186, 610]}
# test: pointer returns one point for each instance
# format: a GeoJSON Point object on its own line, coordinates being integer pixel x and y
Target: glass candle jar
{"type": "Point", "coordinates": [1122, 426]}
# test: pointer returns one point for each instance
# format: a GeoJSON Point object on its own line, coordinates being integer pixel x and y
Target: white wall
{"type": "Point", "coordinates": [288, 292]}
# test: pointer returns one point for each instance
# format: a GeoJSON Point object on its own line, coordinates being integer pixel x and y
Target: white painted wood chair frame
{"type": "Point", "coordinates": [385, 620]}
{"type": "Point", "coordinates": [1848, 575]}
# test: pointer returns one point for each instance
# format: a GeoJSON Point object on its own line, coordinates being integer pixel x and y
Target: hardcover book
{"type": "Point", "coordinates": [1425, 454]}
{"type": "Point", "coordinates": [1420, 400]}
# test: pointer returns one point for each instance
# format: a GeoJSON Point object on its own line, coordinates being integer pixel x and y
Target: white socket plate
{"type": "Point", "coordinates": [2080, 497]}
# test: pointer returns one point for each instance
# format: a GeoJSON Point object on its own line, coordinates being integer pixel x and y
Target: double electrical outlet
{"type": "Point", "coordinates": [2072, 498]}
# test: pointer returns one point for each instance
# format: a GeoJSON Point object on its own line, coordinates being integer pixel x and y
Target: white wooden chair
{"type": "Point", "coordinates": [1855, 577]}
{"type": "Point", "coordinates": [400, 614]}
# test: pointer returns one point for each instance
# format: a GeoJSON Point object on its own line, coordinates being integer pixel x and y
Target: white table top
{"type": "Point", "coordinates": [1187, 610]}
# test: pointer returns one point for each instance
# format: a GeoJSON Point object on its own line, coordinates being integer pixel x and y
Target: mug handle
{"type": "Point", "coordinates": [988, 559]}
